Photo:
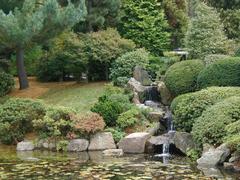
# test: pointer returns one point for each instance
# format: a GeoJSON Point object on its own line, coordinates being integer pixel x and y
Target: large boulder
{"type": "Point", "coordinates": [166, 97]}
{"type": "Point", "coordinates": [113, 152]}
{"type": "Point", "coordinates": [78, 145]}
{"type": "Point", "coordinates": [214, 156]}
{"type": "Point", "coordinates": [134, 143]}
{"type": "Point", "coordinates": [142, 76]}
{"type": "Point", "coordinates": [183, 141]}
{"type": "Point", "coordinates": [25, 146]}
{"type": "Point", "coordinates": [155, 116]}
{"type": "Point", "coordinates": [138, 89]}
{"type": "Point", "coordinates": [101, 141]}
{"type": "Point", "coordinates": [155, 141]}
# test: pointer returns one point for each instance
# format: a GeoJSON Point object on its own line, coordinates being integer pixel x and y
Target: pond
{"type": "Point", "coordinates": [92, 165]}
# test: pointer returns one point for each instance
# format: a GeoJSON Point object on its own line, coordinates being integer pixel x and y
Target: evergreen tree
{"type": "Point", "coordinates": [101, 14]}
{"type": "Point", "coordinates": [205, 33]}
{"type": "Point", "coordinates": [145, 23]}
{"type": "Point", "coordinates": [36, 22]}
{"type": "Point", "coordinates": [177, 15]}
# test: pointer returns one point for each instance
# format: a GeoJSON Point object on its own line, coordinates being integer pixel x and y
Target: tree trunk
{"type": "Point", "coordinates": [22, 75]}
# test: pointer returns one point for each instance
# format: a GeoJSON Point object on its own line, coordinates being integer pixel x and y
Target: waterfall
{"type": "Point", "coordinates": [171, 131]}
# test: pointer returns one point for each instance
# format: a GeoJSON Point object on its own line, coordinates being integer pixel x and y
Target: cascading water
{"type": "Point", "coordinates": [170, 128]}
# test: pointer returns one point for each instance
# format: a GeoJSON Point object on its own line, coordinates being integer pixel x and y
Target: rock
{"type": "Point", "coordinates": [46, 144]}
{"type": "Point", "coordinates": [155, 116]}
{"type": "Point", "coordinates": [78, 145]}
{"type": "Point", "coordinates": [113, 152]}
{"type": "Point", "coordinates": [137, 88]}
{"type": "Point", "coordinates": [156, 129]}
{"type": "Point", "coordinates": [102, 141]}
{"type": "Point", "coordinates": [25, 146]}
{"type": "Point", "coordinates": [165, 94]}
{"type": "Point", "coordinates": [134, 143]}
{"type": "Point", "coordinates": [214, 157]}
{"type": "Point", "coordinates": [228, 165]}
{"type": "Point", "coordinates": [234, 157]}
{"type": "Point", "coordinates": [157, 141]}
{"type": "Point", "coordinates": [184, 141]}
{"type": "Point", "coordinates": [211, 172]}
{"type": "Point", "coordinates": [142, 76]}
{"type": "Point", "coordinates": [207, 147]}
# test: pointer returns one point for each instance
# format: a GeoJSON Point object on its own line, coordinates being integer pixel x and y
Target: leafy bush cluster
{"type": "Point", "coordinates": [6, 83]}
{"type": "Point", "coordinates": [16, 116]}
{"type": "Point", "coordinates": [182, 76]}
{"type": "Point", "coordinates": [222, 73]}
{"type": "Point", "coordinates": [212, 126]}
{"type": "Point", "coordinates": [123, 66]}
{"type": "Point", "coordinates": [188, 107]}
{"type": "Point", "coordinates": [212, 58]}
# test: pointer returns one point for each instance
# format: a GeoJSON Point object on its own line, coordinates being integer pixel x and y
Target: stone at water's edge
{"type": "Point", "coordinates": [134, 143]}
{"type": "Point", "coordinates": [78, 145]}
{"type": "Point", "coordinates": [25, 146]}
{"type": "Point", "coordinates": [142, 76]}
{"type": "Point", "coordinates": [157, 141]}
{"type": "Point", "coordinates": [165, 94]}
{"type": "Point", "coordinates": [234, 157]}
{"type": "Point", "coordinates": [183, 141]}
{"type": "Point", "coordinates": [214, 157]}
{"type": "Point", "coordinates": [102, 141]}
{"type": "Point", "coordinates": [155, 116]}
{"type": "Point", "coordinates": [113, 152]}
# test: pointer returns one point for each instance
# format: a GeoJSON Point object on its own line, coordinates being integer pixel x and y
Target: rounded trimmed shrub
{"type": "Point", "coordinates": [6, 83]}
{"type": "Point", "coordinates": [188, 107]}
{"type": "Point", "coordinates": [211, 126]}
{"type": "Point", "coordinates": [16, 116]}
{"type": "Point", "coordinates": [224, 72]}
{"type": "Point", "coordinates": [182, 76]}
{"type": "Point", "coordinates": [123, 66]}
{"type": "Point", "coordinates": [212, 58]}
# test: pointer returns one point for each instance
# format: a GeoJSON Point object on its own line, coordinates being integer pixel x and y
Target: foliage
{"type": "Point", "coordinates": [144, 22]}
{"type": "Point", "coordinates": [212, 58]}
{"type": "Point", "coordinates": [222, 73]}
{"type": "Point", "coordinates": [62, 145]}
{"type": "Point", "coordinates": [124, 65]}
{"type": "Point", "coordinates": [56, 123]}
{"type": "Point", "coordinates": [88, 123]}
{"type": "Point", "coordinates": [176, 12]}
{"type": "Point", "coordinates": [233, 135]}
{"type": "Point", "coordinates": [182, 76]}
{"type": "Point", "coordinates": [8, 6]}
{"type": "Point", "coordinates": [101, 14]}
{"type": "Point", "coordinates": [100, 49]}
{"type": "Point", "coordinates": [63, 60]}
{"type": "Point", "coordinates": [225, 4]}
{"type": "Point", "coordinates": [111, 106]}
{"type": "Point", "coordinates": [188, 107]}
{"type": "Point", "coordinates": [6, 83]}
{"type": "Point", "coordinates": [205, 34]}
{"type": "Point", "coordinates": [16, 116]}
{"type": "Point", "coordinates": [128, 118]}
{"type": "Point", "coordinates": [117, 133]}
{"type": "Point", "coordinates": [210, 126]}
{"type": "Point", "coordinates": [193, 154]}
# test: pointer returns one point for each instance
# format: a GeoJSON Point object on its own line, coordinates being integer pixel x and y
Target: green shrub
{"type": "Point", "coordinates": [56, 123]}
{"type": "Point", "coordinates": [111, 106]}
{"type": "Point", "coordinates": [212, 58]}
{"type": "Point", "coordinates": [16, 116]}
{"type": "Point", "coordinates": [224, 72]}
{"type": "Point", "coordinates": [128, 118]}
{"type": "Point", "coordinates": [188, 107]}
{"type": "Point", "coordinates": [6, 83]}
{"type": "Point", "coordinates": [182, 76]}
{"type": "Point", "coordinates": [233, 135]}
{"type": "Point", "coordinates": [124, 65]}
{"type": "Point", "coordinates": [117, 133]}
{"type": "Point", "coordinates": [210, 126]}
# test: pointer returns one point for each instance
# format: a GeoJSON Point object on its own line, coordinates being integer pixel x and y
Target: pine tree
{"type": "Point", "coordinates": [101, 14]}
{"type": "Point", "coordinates": [205, 33]}
{"type": "Point", "coordinates": [36, 22]}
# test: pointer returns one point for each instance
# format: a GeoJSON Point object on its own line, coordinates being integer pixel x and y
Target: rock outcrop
{"type": "Point", "coordinates": [25, 146]}
{"type": "Point", "coordinates": [101, 141]}
{"type": "Point", "coordinates": [134, 143]}
{"type": "Point", "coordinates": [78, 145]}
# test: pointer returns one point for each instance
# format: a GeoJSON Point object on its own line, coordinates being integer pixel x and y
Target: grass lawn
{"type": "Point", "coordinates": [81, 98]}
{"type": "Point", "coordinates": [69, 94]}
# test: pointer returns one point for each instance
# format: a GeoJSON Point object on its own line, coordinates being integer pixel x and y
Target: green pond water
{"type": "Point", "coordinates": [94, 166]}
